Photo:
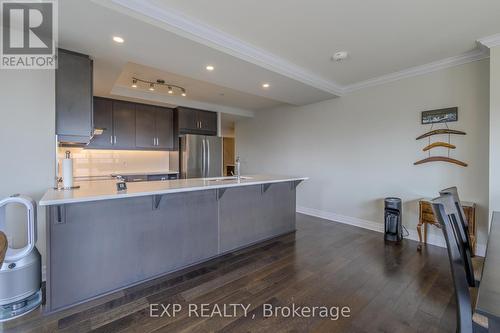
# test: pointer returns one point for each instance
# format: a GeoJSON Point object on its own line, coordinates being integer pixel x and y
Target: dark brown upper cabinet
{"type": "Point", "coordinates": [154, 127]}
{"type": "Point", "coordinates": [133, 126]}
{"type": "Point", "coordinates": [116, 120]}
{"type": "Point", "coordinates": [187, 119]}
{"type": "Point", "coordinates": [74, 115]}
{"type": "Point", "coordinates": [103, 121]}
{"type": "Point", "coordinates": [208, 121]}
{"type": "Point", "coordinates": [165, 128]}
{"type": "Point", "coordinates": [123, 125]}
{"type": "Point", "coordinates": [194, 121]}
{"type": "Point", "coordinates": [145, 130]}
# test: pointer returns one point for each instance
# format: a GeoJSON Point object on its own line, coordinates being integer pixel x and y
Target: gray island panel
{"type": "Point", "coordinates": [105, 245]}
{"type": "Point", "coordinates": [255, 213]}
{"type": "Point", "coordinates": [97, 247]}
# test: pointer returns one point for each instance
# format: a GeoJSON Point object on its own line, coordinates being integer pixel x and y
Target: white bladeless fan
{"type": "Point", "coordinates": [20, 274]}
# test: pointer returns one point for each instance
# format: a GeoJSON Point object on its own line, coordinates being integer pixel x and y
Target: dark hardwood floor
{"type": "Point", "coordinates": [388, 288]}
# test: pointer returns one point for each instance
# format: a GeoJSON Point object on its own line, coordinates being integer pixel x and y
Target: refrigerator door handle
{"type": "Point", "coordinates": [203, 158]}
{"type": "Point", "coordinates": [208, 157]}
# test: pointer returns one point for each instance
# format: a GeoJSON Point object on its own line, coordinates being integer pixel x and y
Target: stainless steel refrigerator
{"type": "Point", "coordinates": [200, 156]}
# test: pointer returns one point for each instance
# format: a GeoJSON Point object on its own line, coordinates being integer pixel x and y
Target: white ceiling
{"type": "Point", "coordinates": [382, 36]}
{"type": "Point", "coordinates": [87, 27]}
{"type": "Point", "coordinates": [285, 42]}
{"type": "Point", "coordinates": [197, 90]}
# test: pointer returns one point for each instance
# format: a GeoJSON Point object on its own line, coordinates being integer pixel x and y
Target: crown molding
{"type": "Point", "coordinates": [199, 32]}
{"type": "Point", "coordinates": [490, 41]}
{"type": "Point", "coordinates": [474, 55]}
{"type": "Point", "coordinates": [176, 22]}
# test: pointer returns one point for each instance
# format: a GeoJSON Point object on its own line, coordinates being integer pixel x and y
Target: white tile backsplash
{"type": "Point", "coordinates": [94, 162]}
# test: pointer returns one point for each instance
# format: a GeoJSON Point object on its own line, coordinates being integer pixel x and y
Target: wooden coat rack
{"type": "Point", "coordinates": [437, 144]}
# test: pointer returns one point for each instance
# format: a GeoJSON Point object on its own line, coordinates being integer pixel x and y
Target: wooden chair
{"type": "Point", "coordinates": [464, 242]}
{"type": "Point", "coordinates": [447, 215]}
{"type": "Point", "coordinates": [3, 247]}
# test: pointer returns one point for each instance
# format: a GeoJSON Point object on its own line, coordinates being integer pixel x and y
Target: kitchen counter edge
{"type": "Point", "coordinates": [106, 190]}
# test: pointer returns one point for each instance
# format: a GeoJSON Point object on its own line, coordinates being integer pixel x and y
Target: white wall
{"type": "Point", "coordinates": [27, 143]}
{"type": "Point", "coordinates": [495, 129]}
{"type": "Point", "coordinates": [360, 148]}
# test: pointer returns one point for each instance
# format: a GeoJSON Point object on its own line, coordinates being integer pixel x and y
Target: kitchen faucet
{"type": "Point", "coordinates": [238, 164]}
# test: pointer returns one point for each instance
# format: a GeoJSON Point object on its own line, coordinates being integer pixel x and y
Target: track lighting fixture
{"type": "Point", "coordinates": [171, 88]}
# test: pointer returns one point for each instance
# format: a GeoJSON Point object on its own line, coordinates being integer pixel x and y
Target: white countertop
{"type": "Point", "coordinates": [106, 189]}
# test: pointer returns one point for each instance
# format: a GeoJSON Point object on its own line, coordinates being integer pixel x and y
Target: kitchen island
{"type": "Point", "coordinates": [100, 240]}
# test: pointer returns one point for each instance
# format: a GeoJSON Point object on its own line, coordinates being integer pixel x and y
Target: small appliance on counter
{"type": "Point", "coordinates": [121, 184]}
{"type": "Point", "coordinates": [393, 229]}
{"type": "Point", "coordinates": [21, 272]}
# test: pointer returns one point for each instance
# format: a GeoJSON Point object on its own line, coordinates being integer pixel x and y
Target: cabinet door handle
{"type": "Point", "coordinates": [115, 139]}
{"type": "Point", "coordinates": [111, 139]}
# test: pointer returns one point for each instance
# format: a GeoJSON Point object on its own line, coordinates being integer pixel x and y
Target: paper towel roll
{"type": "Point", "coordinates": [67, 172]}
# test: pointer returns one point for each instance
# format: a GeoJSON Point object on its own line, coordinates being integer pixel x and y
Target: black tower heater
{"type": "Point", "coordinates": [392, 217]}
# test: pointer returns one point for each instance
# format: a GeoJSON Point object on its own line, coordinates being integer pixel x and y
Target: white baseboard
{"type": "Point", "coordinates": [365, 224]}
{"type": "Point", "coordinates": [432, 239]}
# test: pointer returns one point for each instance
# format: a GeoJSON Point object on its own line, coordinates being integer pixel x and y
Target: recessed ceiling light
{"type": "Point", "coordinates": [339, 56]}
{"type": "Point", "coordinates": [210, 68]}
{"type": "Point", "coordinates": [266, 85]}
{"type": "Point", "coordinates": [152, 87]}
{"type": "Point", "coordinates": [134, 83]}
{"type": "Point", "coordinates": [118, 39]}
{"type": "Point", "coordinates": [170, 91]}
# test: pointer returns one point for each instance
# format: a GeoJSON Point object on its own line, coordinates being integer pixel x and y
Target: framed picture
{"type": "Point", "coordinates": [440, 116]}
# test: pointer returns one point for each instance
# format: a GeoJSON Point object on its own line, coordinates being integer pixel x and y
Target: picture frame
{"type": "Point", "coordinates": [439, 116]}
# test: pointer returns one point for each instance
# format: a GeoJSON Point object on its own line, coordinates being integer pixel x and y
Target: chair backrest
{"type": "Point", "coordinates": [446, 213]}
{"type": "Point", "coordinates": [454, 192]}
{"type": "Point", "coordinates": [3, 247]}
{"type": "Point", "coordinates": [464, 239]}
